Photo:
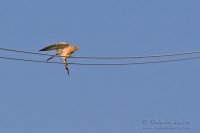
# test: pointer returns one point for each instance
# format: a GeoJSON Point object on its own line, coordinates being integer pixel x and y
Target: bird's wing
{"type": "Point", "coordinates": [60, 45]}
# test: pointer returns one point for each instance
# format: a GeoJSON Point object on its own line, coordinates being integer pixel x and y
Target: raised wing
{"type": "Point", "coordinates": [60, 45]}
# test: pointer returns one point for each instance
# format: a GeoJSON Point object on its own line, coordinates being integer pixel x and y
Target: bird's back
{"type": "Point", "coordinates": [67, 51]}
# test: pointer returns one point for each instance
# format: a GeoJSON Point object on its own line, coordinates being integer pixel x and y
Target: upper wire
{"type": "Point", "coordinates": [95, 57]}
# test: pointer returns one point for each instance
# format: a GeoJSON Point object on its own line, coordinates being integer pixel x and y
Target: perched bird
{"type": "Point", "coordinates": [64, 50]}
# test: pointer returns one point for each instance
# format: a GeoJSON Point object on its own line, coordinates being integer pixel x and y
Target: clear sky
{"type": "Point", "coordinates": [41, 98]}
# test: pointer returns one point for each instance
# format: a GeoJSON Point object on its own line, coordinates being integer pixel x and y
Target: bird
{"type": "Point", "coordinates": [63, 49]}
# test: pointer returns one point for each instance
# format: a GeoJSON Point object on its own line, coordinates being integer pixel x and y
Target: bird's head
{"type": "Point", "coordinates": [76, 47]}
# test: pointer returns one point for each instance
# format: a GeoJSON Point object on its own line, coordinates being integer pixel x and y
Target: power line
{"type": "Point", "coordinates": [27, 60]}
{"type": "Point", "coordinates": [134, 57]}
{"type": "Point", "coordinates": [114, 57]}
{"type": "Point", "coordinates": [105, 64]}
{"type": "Point", "coordinates": [25, 52]}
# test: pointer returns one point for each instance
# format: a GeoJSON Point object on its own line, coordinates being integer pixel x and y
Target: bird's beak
{"type": "Point", "coordinates": [76, 47]}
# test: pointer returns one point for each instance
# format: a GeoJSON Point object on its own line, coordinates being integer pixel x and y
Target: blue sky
{"type": "Point", "coordinates": [40, 98]}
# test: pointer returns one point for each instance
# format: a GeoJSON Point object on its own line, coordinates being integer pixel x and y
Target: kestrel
{"type": "Point", "coordinates": [64, 50]}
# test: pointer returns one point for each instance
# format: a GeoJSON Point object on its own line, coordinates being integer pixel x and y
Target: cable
{"type": "Point", "coordinates": [94, 57]}
{"type": "Point", "coordinates": [105, 64]}
{"type": "Point", "coordinates": [25, 52]}
{"type": "Point", "coordinates": [131, 57]}
{"type": "Point", "coordinates": [27, 60]}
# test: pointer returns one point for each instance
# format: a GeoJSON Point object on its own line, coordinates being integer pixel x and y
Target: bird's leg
{"type": "Point", "coordinates": [66, 67]}
{"type": "Point", "coordinates": [53, 56]}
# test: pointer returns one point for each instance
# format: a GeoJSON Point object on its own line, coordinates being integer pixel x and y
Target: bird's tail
{"type": "Point", "coordinates": [52, 56]}
{"type": "Point", "coordinates": [67, 68]}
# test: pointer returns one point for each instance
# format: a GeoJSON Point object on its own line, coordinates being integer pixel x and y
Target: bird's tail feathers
{"type": "Point", "coordinates": [52, 56]}
{"type": "Point", "coordinates": [67, 68]}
